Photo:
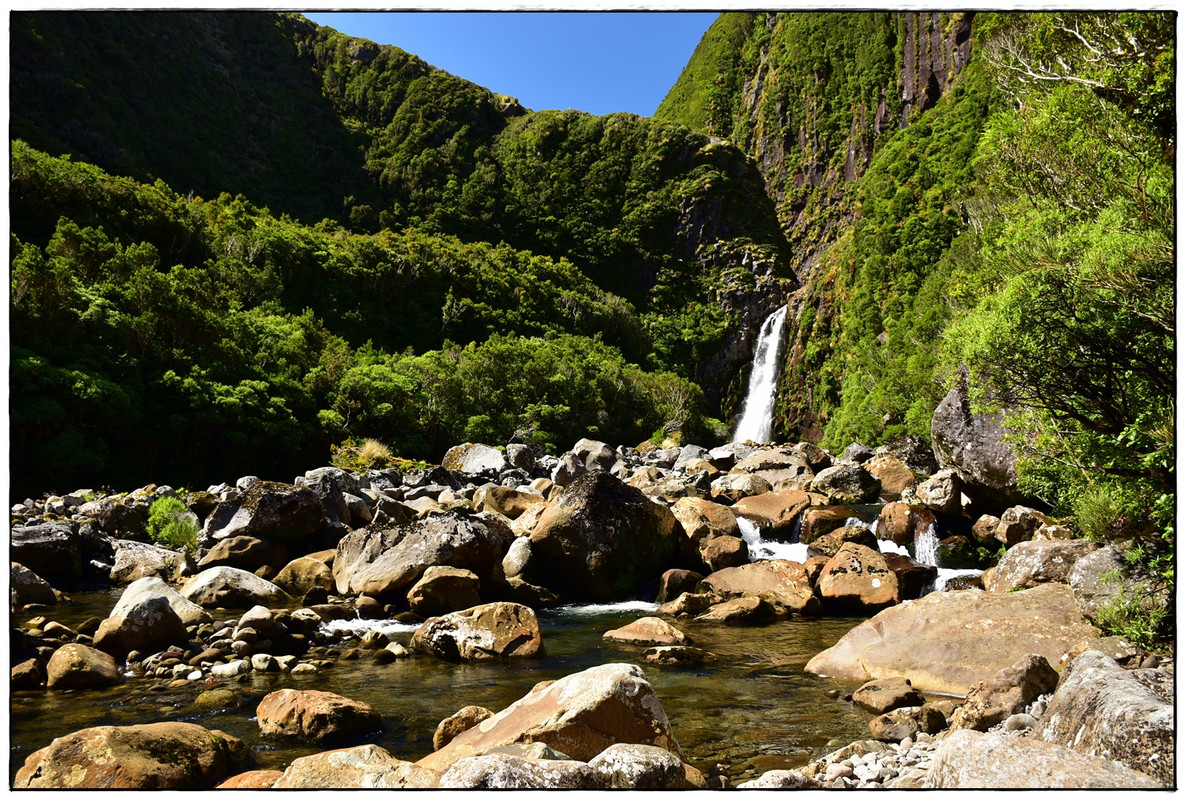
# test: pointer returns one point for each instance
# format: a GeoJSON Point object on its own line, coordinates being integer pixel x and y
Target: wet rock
{"type": "Point", "coordinates": [902, 524]}
{"type": "Point", "coordinates": [740, 611]}
{"type": "Point", "coordinates": [316, 715]}
{"type": "Point", "coordinates": [914, 579]}
{"type": "Point", "coordinates": [216, 700]}
{"type": "Point", "coordinates": [830, 543]}
{"type": "Point", "coordinates": [26, 675]}
{"type": "Point", "coordinates": [819, 520]}
{"type": "Point", "coordinates": [779, 582]}
{"type": "Point", "coordinates": [228, 587]}
{"type": "Point", "coordinates": [947, 641]}
{"type": "Point", "coordinates": [690, 604]}
{"type": "Point", "coordinates": [968, 759]}
{"type": "Point", "coordinates": [303, 575]}
{"type": "Point", "coordinates": [675, 582]}
{"type": "Point", "coordinates": [367, 766]}
{"type": "Point", "coordinates": [501, 771]}
{"type": "Point", "coordinates": [775, 513]}
{"type": "Point", "coordinates": [675, 654]}
{"type": "Point", "coordinates": [160, 755]}
{"type": "Point", "coordinates": [75, 666]}
{"type": "Point", "coordinates": [887, 694]}
{"type": "Point", "coordinates": [442, 590]}
{"type": "Point", "coordinates": [580, 714]}
{"type": "Point", "coordinates": [482, 633]}
{"type": "Point", "coordinates": [27, 587]}
{"type": "Point", "coordinates": [461, 721]}
{"type": "Point", "coordinates": [1101, 709]}
{"type": "Point", "coordinates": [640, 766]}
{"type": "Point", "coordinates": [648, 630]}
{"type": "Point", "coordinates": [142, 620]}
{"type": "Point", "coordinates": [386, 563]}
{"type": "Point", "coordinates": [602, 540]}
{"type": "Point", "coordinates": [857, 577]}
{"type": "Point", "coordinates": [907, 723]}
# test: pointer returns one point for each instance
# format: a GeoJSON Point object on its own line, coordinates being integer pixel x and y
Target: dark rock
{"type": "Point", "coordinates": [973, 444]}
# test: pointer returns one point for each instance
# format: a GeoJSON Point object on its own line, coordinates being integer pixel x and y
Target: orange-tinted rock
{"type": "Point", "coordinates": [779, 582]}
{"type": "Point", "coordinates": [314, 714]}
{"type": "Point", "coordinates": [857, 577]}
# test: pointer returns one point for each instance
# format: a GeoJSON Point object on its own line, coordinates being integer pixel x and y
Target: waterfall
{"type": "Point", "coordinates": [757, 414]}
{"type": "Point", "coordinates": [760, 549]}
{"type": "Point", "coordinates": [926, 547]}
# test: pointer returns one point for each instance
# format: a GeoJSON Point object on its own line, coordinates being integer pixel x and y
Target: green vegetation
{"type": "Point", "coordinates": [169, 524]}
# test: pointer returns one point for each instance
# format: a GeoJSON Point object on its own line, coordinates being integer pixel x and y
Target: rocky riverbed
{"type": "Point", "coordinates": [464, 557]}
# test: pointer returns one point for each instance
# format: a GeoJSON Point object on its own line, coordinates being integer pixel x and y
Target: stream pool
{"type": "Point", "coordinates": [750, 707]}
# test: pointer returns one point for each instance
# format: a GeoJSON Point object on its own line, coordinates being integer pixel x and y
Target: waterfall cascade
{"type": "Point", "coordinates": [757, 414]}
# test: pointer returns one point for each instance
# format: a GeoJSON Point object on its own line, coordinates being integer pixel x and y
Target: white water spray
{"type": "Point", "coordinates": [760, 549]}
{"type": "Point", "coordinates": [926, 552]}
{"type": "Point", "coordinates": [757, 415]}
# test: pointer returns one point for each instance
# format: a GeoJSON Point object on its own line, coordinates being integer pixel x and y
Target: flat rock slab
{"type": "Point", "coordinates": [971, 760]}
{"type": "Point", "coordinates": [648, 630]}
{"type": "Point", "coordinates": [948, 641]}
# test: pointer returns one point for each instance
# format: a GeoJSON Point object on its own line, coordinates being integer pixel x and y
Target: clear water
{"type": "Point", "coordinates": [750, 707]}
{"type": "Point", "coordinates": [757, 415]}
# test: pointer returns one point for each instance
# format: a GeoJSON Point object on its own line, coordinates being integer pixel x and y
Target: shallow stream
{"type": "Point", "coordinates": [750, 708]}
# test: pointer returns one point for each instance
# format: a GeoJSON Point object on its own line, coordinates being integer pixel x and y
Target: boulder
{"type": "Point", "coordinates": [331, 485]}
{"type": "Point", "coordinates": [775, 513]}
{"type": "Point", "coordinates": [505, 500]}
{"type": "Point", "coordinates": [227, 587]}
{"type": "Point", "coordinates": [942, 492]}
{"type": "Point", "coordinates": [1006, 693]}
{"type": "Point", "coordinates": [475, 459]}
{"type": "Point", "coordinates": [902, 524]}
{"type": "Point", "coordinates": [1029, 563]}
{"type": "Point", "coordinates": [746, 610]}
{"type": "Point", "coordinates": [723, 552]}
{"type": "Point", "coordinates": [136, 560]}
{"type": "Point", "coordinates": [731, 487]}
{"type": "Point", "coordinates": [580, 714]}
{"type": "Point", "coordinates": [857, 577]}
{"type": "Point", "coordinates": [830, 543]}
{"type": "Point", "coordinates": [974, 444]}
{"type": "Point", "coordinates": [1100, 709]}
{"type": "Point", "coordinates": [159, 755]}
{"type": "Point", "coordinates": [76, 666]}
{"type": "Point", "coordinates": [117, 518]}
{"type": "Point", "coordinates": [461, 721]}
{"type": "Point", "coordinates": [1019, 524]}
{"type": "Point", "coordinates": [442, 590]}
{"type": "Point", "coordinates": [29, 588]}
{"type": "Point", "coordinates": [316, 715]}
{"type": "Point", "coordinates": [143, 621]}
{"type": "Point", "coordinates": [190, 613]}
{"type": "Point", "coordinates": [675, 654]}
{"type": "Point", "coordinates": [857, 453]}
{"type": "Point", "coordinates": [913, 451]}
{"type": "Point", "coordinates": [387, 562]}
{"type": "Point", "coordinates": [907, 723]}
{"type": "Point", "coordinates": [26, 676]}
{"type": "Point", "coordinates": [648, 630]}
{"type": "Point", "coordinates": [482, 633]}
{"type": "Point", "coordinates": [641, 766]}
{"type": "Point", "coordinates": [241, 552]}
{"type": "Point", "coordinates": [887, 694]}
{"type": "Point", "coordinates": [505, 771]}
{"type": "Point", "coordinates": [602, 540]}
{"type": "Point", "coordinates": [594, 455]}
{"type": "Point", "coordinates": [252, 779]}
{"type": "Point", "coordinates": [780, 582]}
{"type": "Point", "coordinates": [278, 512]}
{"type": "Point", "coordinates": [947, 641]}
{"type": "Point", "coordinates": [521, 456]}
{"type": "Point", "coordinates": [782, 779]}
{"type": "Point", "coordinates": [894, 476]}
{"type": "Point", "coordinates": [783, 467]}
{"type": "Point", "coordinates": [675, 582]}
{"type": "Point", "coordinates": [703, 519]}
{"type": "Point", "coordinates": [967, 759]}
{"type": "Point", "coordinates": [366, 766]}
{"type": "Point", "coordinates": [690, 604]}
{"type": "Point", "coordinates": [52, 550]}
{"type": "Point", "coordinates": [914, 579]}
{"type": "Point", "coordinates": [303, 575]}
{"type": "Point", "coordinates": [846, 484]}
{"type": "Point", "coordinates": [818, 520]}
{"type": "Point", "coordinates": [1104, 577]}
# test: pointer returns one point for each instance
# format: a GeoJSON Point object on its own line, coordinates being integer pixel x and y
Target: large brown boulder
{"type": "Point", "coordinates": [776, 513]}
{"type": "Point", "coordinates": [28, 587]}
{"type": "Point", "coordinates": [312, 714]}
{"type": "Point", "coordinates": [278, 512]}
{"type": "Point", "coordinates": [1027, 564]}
{"type": "Point", "coordinates": [784, 467]}
{"type": "Point", "coordinates": [387, 562]}
{"type": "Point", "coordinates": [602, 540]}
{"type": "Point", "coordinates": [902, 524]}
{"type": "Point", "coordinates": [830, 543]}
{"type": "Point", "coordinates": [483, 633]}
{"type": "Point", "coordinates": [778, 581]}
{"type": "Point", "coordinates": [703, 519]}
{"type": "Point", "coordinates": [579, 715]}
{"type": "Point", "coordinates": [947, 641]}
{"type": "Point", "coordinates": [1008, 692]}
{"type": "Point", "coordinates": [846, 483]}
{"type": "Point", "coordinates": [241, 552]}
{"type": "Point", "coordinates": [457, 723]}
{"type": "Point", "coordinates": [967, 759]}
{"type": "Point", "coordinates": [893, 475]}
{"type": "Point", "coordinates": [144, 621]}
{"type": "Point", "coordinates": [367, 766]}
{"type": "Point", "coordinates": [1101, 709]}
{"type": "Point", "coordinates": [732, 487]}
{"type": "Point", "coordinates": [506, 500]}
{"type": "Point", "coordinates": [252, 779]}
{"type": "Point", "coordinates": [76, 666]}
{"type": "Point", "coordinates": [723, 552]}
{"type": "Point", "coordinates": [442, 590]}
{"type": "Point", "coordinates": [303, 575]}
{"type": "Point", "coordinates": [887, 694]}
{"type": "Point", "coordinates": [818, 520]}
{"type": "Point", "coordinates": [159, 755]}
{"type": "Point", "coordinates": [857, 577]}
{"type": "Point", "coordinates": [648, 630]}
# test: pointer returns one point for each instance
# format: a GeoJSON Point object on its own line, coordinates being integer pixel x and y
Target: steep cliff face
{"type": "Point", "coordinates": [814, 98]}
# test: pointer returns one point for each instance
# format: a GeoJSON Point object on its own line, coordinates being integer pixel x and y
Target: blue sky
{"type": "Point", "coordinates": [596, 61]}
